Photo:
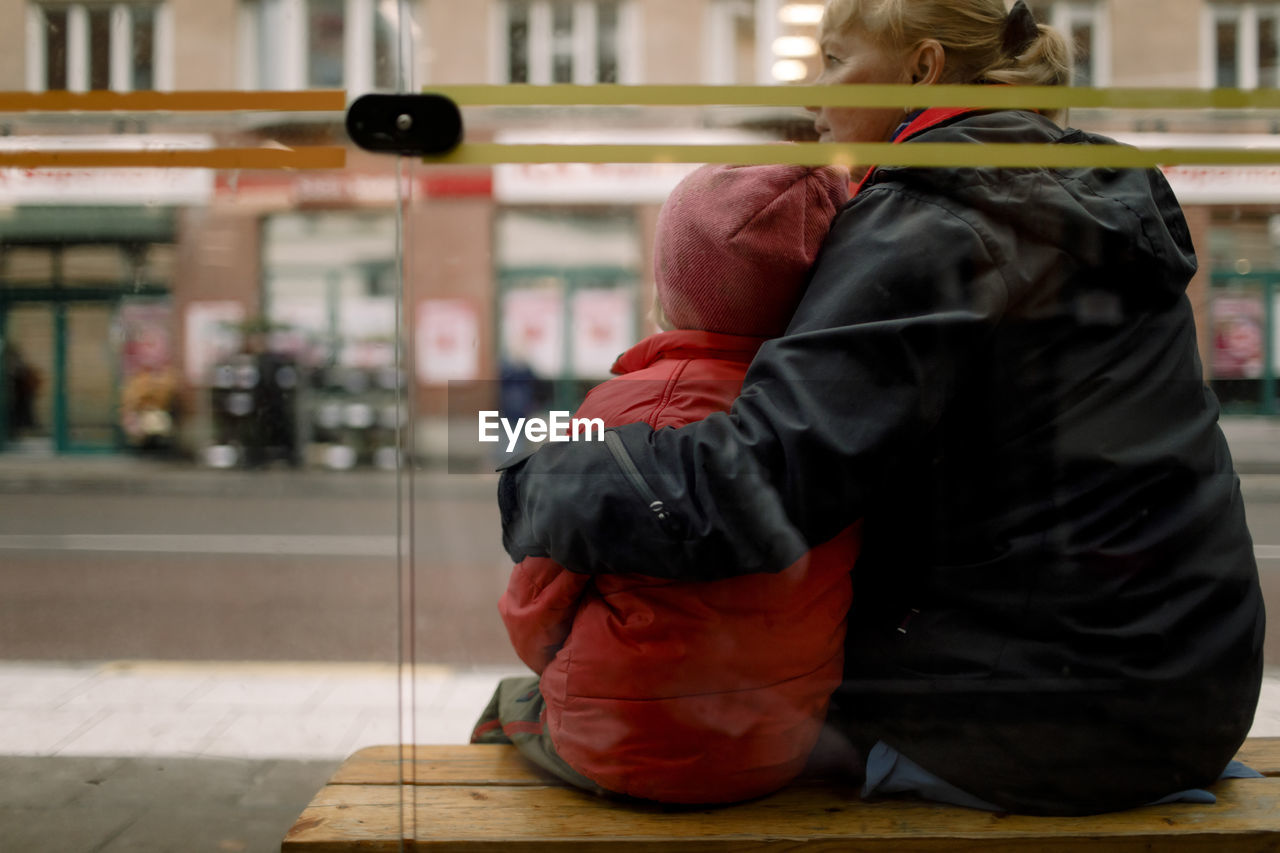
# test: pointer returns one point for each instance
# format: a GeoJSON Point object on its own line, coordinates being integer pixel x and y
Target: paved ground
{"type": "Point", "coordinates": [130, 757]}
{"type": "Point", "coordinates": [139, 757]}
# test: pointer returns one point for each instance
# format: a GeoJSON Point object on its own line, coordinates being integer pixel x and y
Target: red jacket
{"type": "Point", "coordinates": [683, 692]}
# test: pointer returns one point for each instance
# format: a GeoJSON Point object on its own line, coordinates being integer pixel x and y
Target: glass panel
{"type": "Point", "coordinates": [55, 48]}
{"type": "Point", "coordinates": [607, 43]}
{"type": "Point", "coordinates": [28, 266]}
{"type": "Point", "coordinates": [1268, 51]}
{"type": "Point", "coordinates": [517, 42]}
{"type": "Point", "coordinates": [562, 41]}
{"type": "Point", "coordinates": [1082, 37]}
{"type": "Point", "coordinates": [325, 42]}
{"type": "Point", "coordinates": [99, 47]}
{"type": "Point", "coordinates": [1226, 66]}
{"type": "Point", "coordinates": [385, 58]}
{"type": "Point", "coordinates": [164, 530]}
{"type": "Point", "coordinates": [743, 49]}
{"type": "Point", "coordinates": [93, 265]}
{"type": "Point", "coordinates": [291, 544]}
{"type": "Point", "coordinates": [91, 376]}
{"type": "Point", "coordinates": [142, 68]}
{"type": "Point", "coordinates": [268, 31]}
{"type": "Point", "coordinates": [29, 372]}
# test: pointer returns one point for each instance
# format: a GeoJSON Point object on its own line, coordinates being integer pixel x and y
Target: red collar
{"type": "Point", "coordinates": [927, 119]}
{"type": "Point", "coordinates": [687, 343]}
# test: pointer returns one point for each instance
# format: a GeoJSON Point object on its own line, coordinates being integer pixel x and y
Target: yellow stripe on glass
{"type": "Point", "coordinates": [306, 157]}
{"type": "Point", "coordinates": [312, 100]}
{"type": "Point", "coordinates": [986, 97]}
{"type": "Point", "coordinates": [275, 157]}
{"type": "Point", "coordinates": [889, 96]}
{"type": "Point", "coordinates": [878, 153]}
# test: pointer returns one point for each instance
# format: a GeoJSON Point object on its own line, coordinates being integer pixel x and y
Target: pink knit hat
{"type": "Point", "coordinates": [734, 244]}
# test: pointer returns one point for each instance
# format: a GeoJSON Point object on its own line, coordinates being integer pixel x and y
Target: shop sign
{"type": "Point", "coordinates": [601, 183]}
{"type": "Point", "coordinates": [106, 186]}
{"type": "Point", "coordinates": [337, 188]}
{"type": "Point", "coordinates": [588, 183]}
{"type": "Point", "coordinates": [1225, 184]}
{"type": "Point", "coordinates": [349, 188]}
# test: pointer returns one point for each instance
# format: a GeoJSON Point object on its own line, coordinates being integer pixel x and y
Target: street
{"type": "Point", "coordinates": [296, 573]}
{"type": "Point", "coordinates": [247, 577]}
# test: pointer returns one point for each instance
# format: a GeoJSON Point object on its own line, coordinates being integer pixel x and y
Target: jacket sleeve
{"type": "Point", "coordinates": [538, 609]}
{"type": "Point", "coordinates": [905, 291]}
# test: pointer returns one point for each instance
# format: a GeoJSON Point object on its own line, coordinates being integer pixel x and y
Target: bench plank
{"type": "Point", "coordinates": [453, 764]}
{"type": "Point", "coordinates": [470, 818]}
{"type": "Point", "coordinates": [488, 764]}
{"type": "Point", "coordinates": [1262, 754]}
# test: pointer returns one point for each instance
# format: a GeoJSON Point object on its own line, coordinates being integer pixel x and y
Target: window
{"type": "Point", "coordinates": [322, 44]}
{"type": "Point", "coordinates": [93, 46]}
{"type": "Point", "coordinates": [1083, 23]}
{"type": "Point", "coordinates": [732, 43]}
{"type": "Point", "coordinates": [1241, 45]}
{"type": "Point", "coordinates": [565, 41]}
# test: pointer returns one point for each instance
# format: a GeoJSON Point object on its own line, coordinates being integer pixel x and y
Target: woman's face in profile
{"type": "Point", "coordinates": [852, 57]}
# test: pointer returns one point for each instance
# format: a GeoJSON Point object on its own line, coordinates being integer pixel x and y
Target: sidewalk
{"type": "Point", "coordinates": [127, 757]}
{"type": "Point", "coordinates": [135, 757]}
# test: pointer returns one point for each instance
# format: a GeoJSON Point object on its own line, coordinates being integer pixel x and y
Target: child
{"type": "Point", "coordinates": [690, 692]}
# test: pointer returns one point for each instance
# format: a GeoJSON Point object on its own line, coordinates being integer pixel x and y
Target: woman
{"type": "Point", "coordinates": [1056, 609]}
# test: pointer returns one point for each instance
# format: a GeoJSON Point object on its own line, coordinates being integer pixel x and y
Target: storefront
{"type": "Point", "coordinates": [87, 270]}
{"type": "Point", "coordinates": [1239, 255]}
{"type": "Point", "coordinates": [85, 317]}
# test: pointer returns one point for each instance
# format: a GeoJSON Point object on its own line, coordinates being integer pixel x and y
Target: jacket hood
{"type": "Point", "coordinates": [1126, 221]}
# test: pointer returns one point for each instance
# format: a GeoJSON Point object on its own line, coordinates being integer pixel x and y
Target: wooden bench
{"type": "Point", "coordinates": [486, 798]}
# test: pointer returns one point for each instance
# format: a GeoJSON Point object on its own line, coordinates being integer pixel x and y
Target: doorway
{"type": "Point", "coordinates": [61, 373]}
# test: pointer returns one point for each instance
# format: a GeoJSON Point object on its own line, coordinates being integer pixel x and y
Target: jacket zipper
{"type": "Point", "coordinates": [632, 473]}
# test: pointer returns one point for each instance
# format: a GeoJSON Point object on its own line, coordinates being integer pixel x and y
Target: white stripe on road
{"type": "Point", "coordinates": [1267, 552]}
{"type": "Point", "coordinates": [204, 543]}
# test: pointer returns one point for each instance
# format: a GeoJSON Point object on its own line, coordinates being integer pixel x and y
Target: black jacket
{"type": "Point", "coordinates": [1057, 607]}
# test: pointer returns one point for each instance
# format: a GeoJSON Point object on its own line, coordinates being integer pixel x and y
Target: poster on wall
{"type": "Point", "coordinates": [148, 387]}
{"type": "Point", "coordinates": [1239, 336]}
{"type": "Point", "coordinates": [533, 329]}
{"type": "Point", "coordinates": [448, 341]}
{"type": "Point", "coordinates": [603, 327]}
{"type": "Point", "coordinates": [212, 334]}
{"type": "Point", "coordinates": [144, 337]}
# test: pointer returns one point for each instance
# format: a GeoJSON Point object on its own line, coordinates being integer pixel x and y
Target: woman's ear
{"type": "Point", "coordinates": [927, 63]}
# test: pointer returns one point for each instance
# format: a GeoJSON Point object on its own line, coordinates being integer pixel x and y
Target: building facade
{"type": "Point", "coordinates": [116, 288]}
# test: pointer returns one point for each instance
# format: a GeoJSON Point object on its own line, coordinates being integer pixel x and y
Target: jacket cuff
{"type": "Point", "coordinates": [517, 530]}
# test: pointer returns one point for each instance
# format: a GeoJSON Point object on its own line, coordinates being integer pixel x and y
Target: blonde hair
{"type": "Point", "coordinates": [971, 33]}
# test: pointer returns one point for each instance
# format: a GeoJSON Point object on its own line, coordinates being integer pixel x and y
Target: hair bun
{"type": "Point", "coordinates": [1020, 29]}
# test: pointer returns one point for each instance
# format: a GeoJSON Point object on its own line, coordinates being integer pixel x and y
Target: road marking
{"type": "Point", "coordinates": [1267, 552]}
{"type": "Point", "coordinates": [205, 543]}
